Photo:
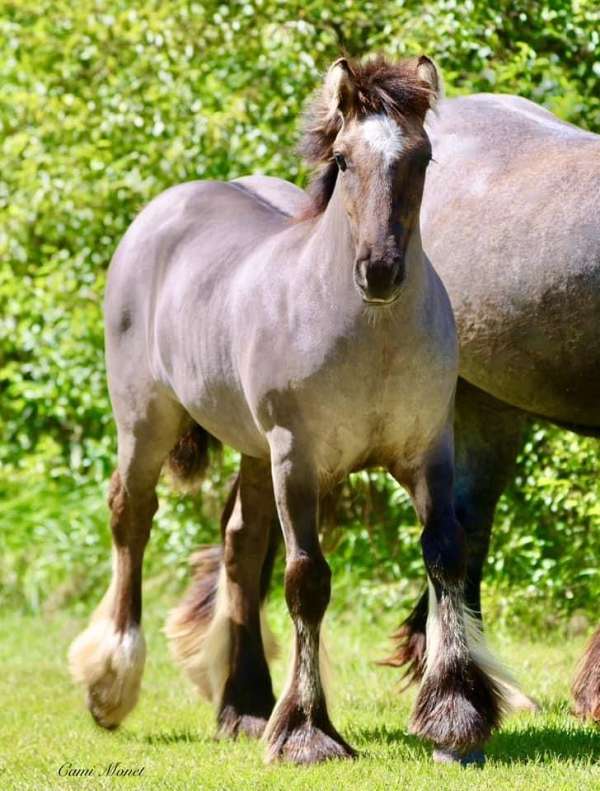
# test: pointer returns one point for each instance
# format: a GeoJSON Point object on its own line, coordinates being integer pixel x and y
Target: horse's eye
{"type": "Point", "coordinates": [340, 161]}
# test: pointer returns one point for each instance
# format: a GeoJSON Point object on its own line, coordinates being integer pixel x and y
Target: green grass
{"type": "Point", "coordinates": [43, 723]}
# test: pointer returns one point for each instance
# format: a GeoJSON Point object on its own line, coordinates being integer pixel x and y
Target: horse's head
{"type": "Point", "coordinates": [367, 131]}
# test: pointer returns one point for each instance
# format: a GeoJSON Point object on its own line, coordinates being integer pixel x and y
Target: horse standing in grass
{"type": "Point", "coordinates": [511, 220]}
{"type": "Point", "coordinates": [315, 346]}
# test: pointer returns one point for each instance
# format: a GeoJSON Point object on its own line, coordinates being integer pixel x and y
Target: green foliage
{"type": "Point", "coordinates": [546, 535]}
{"type": "Point", "coordinates": [105, 103]}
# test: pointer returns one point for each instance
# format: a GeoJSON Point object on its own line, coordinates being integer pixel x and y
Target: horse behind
{"type": "Point", "coordinates": [315, 346]}
{"type": "Point", "coordinates": [511, 220]}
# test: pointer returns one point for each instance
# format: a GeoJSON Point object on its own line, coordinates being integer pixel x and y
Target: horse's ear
{"type": "Point", "coordinates": [339, 88]}
{"type": "Point", "coordinates": [428, 72]}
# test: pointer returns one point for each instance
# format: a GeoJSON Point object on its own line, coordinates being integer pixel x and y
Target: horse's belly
{"type": "Point", "coordinates": [224, 412]}
{"type": "Point", "coordinates": [543, 362]}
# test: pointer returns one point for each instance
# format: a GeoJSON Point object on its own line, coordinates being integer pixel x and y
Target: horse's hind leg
{"type": "Point", "coordinates": [217, 633]}
{"type": "Point", "coordinates": [108, 657]}
{"type": "Point", "coordinates": [586, 687]}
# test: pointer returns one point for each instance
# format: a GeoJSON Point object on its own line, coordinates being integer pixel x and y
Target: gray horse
{"type": "Point", "coordinates": [511, 222]}
{"type": "Point", "coordinates": [315, 345]}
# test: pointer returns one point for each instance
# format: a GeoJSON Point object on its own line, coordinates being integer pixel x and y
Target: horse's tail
{"type": "Point", "coordinates": [199, 628]}
{"type": "Point", "coordinates": [188, 461]}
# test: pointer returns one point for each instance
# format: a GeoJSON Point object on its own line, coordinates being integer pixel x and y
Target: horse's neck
{"type": "Point", "coordinates": [333, 243]}
{"type": "Point", "coordinates": [333, 254]}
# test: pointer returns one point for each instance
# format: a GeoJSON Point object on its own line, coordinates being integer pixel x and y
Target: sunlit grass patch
{"type": "Point", "coordinates": [43, 723]}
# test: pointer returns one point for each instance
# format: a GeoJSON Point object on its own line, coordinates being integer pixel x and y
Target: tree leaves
{"type": "Point", "coordinates": [105, 104]}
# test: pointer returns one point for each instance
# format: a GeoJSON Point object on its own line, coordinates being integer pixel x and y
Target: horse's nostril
{"type": "Point", "coordinates": [379, 275]}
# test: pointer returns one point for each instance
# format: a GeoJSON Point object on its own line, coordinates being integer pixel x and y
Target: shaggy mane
{"type": "Point", "coordinates": [379, 87]}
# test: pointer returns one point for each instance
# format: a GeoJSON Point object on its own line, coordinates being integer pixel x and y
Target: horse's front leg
{"type": "Point", "coordinates": [300, 729]}
{"type": "Point", "coordinates": [460, 701]}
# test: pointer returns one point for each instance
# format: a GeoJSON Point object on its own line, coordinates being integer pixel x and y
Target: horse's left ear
{"type": "Point", "coordinates": [339, 88]}
{"type": "Point", "coordinates": [428, 72]}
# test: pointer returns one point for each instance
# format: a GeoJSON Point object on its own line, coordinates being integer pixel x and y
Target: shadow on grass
{"type": "Point", "coordinates": [188, 736]}
{"type": "Point", "coordinates": [364, 739]}
{"type": "Point", "coordinates": [543, 743]}
{"type": "Point", "coordinates": [183, 736]}
{"type": "Point", "coordinates": [531, 744]}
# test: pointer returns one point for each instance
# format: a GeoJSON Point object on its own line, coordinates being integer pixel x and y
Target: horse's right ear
{"type": "Point", "coordinates": [339, 88]}
{"type": "Point", "coordinates": [428, 72]}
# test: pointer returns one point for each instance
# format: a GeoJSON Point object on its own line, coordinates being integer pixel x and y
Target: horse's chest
{"type": "Point", "coordinates": [383, 409]}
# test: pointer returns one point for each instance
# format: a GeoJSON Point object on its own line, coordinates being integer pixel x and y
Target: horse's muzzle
{"type": "Point", "coordinates": [379, 282]}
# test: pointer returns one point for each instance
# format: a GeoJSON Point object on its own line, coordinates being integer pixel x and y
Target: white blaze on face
{"type": "Point", "coordinates": [383, 135]}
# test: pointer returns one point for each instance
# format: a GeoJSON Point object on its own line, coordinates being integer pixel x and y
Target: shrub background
{"type": "Point", "coordinates": [103, 105]}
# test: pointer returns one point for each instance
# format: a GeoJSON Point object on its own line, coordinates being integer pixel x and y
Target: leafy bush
{"type": "Point", "coordinates": [105, 103]}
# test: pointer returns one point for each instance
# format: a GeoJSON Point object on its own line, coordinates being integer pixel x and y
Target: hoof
{"type": "Point", "coordinates": [109, 664]}
{"type": "Point", "coordinates": [474, 758]}
{"type": "Point", "coordinates": [586, 687]}
{"type": "Point", "coordinates": [587, 710]}
{"type": "Point", "coordinates": [293, 735]}
{"type": "Point", "coordinates": [308, 744]}
{"type": "Point", "coordinates": [103, 719]}
{"type": "Point", "coordinates": [232, 724]}
{"type": "Point", "coordinates": [457, 710]}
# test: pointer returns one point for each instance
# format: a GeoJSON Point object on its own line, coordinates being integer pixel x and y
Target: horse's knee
{"type": "Point", "coordinates": [308, 587]}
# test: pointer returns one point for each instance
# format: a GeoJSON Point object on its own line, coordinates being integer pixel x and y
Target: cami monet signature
{"type": "Point", "coordinates": [115, 769]}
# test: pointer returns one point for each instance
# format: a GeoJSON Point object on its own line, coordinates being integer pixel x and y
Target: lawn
{"type": "Point", "coordinates": [43, 724]}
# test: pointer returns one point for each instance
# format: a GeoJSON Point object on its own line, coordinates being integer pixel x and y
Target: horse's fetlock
{"type": "Point", "coordinates": [109, 663]}
{"type": "Point", "coordinates": [458, 705]}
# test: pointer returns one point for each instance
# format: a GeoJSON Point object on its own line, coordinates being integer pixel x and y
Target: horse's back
{"type": "Point", "coordinates": [197, 230]}
{"type": "Point", "coordinates": [196, 208]}
{"type": "Point", "coordinates": [511, 221]}
{"type": "Point", "coordinates": [281, 194]}
{"type": "Point", "coordinates": [503, 119]}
